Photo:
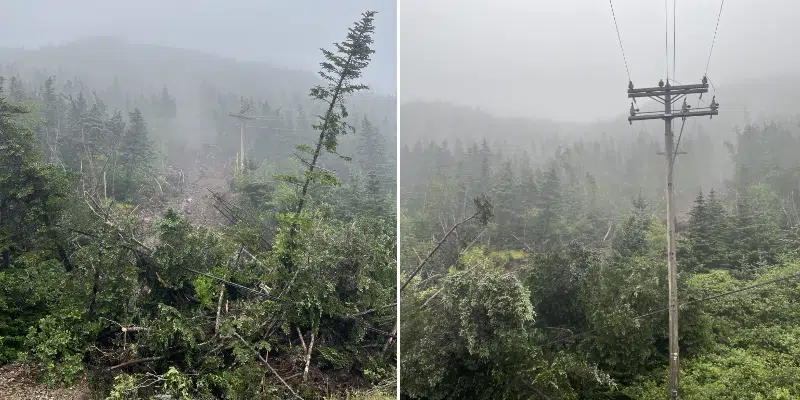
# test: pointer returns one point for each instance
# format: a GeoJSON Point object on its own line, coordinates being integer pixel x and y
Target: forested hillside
{"type": "Point", "coordinates": [554, 285]}
{"type": "Point", "coordinates": [707, 162]}
{"type": "Point", "coordinates": [141, 252]}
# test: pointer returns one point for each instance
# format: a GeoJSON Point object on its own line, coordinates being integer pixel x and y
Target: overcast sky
{"type": "Point", "coordinates": [283, 33]}
{"type": "Point", "coordinates": [560, 59]}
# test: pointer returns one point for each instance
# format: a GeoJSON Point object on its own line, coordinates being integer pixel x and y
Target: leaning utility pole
{"type": "Point", "coordinates": [668, 95]}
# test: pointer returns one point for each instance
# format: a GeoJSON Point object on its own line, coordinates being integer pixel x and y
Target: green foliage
{"type": "Point", "coordinates": [57, 347]}
{"type": "Point", "coordinates": [487, 339]}
{"type": "Point", "coordinates": [339, 70]}
{"type": "Point", "coordinates": [136, 156]}
{"type": "Point", "coordinates": [163, 307]}
{"type": "Point", "coordinates": [593, 266]}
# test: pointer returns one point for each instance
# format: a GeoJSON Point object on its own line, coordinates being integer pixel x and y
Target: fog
{"type": "Point", "coordinates": [561, 59]}
{"type": "Point", "coordinates": [281, 33]}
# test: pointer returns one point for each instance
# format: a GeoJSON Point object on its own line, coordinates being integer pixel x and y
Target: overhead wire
{"type": "Point", "coordinates": [268, 296]}
{"type": "Point", "coordinates": [674, 37]}
{"type": "Point", "coordinates": [700, 300]}
{"type": "Point", "coordinates": [710, 52]}
{"type": "Point", "coordinates": [622, 49]}
{"type": "Point", "coordinates": [666, 37]}
{"type": "Point", "coordinates": [619, 39]}
{"type": "Point", "coordinates": [719, 15]}
{"type": "Point", "coordinates": [277, 299]}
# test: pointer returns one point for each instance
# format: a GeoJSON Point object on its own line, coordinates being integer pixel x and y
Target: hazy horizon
{"type": "Point", "coordinates": [288, 37]}
{"type": "Point", "coordinates": [561, 61]}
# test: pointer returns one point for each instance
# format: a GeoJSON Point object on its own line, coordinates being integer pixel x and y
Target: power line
{"type": "Point", "coordinates": [260, 293]}
{"type": "Point", "coordinates": [619, 39]}
{"type": "Point", "coordinates": [277, 299]}
{"type": "Point", "coordinates": [722, 3]}
{"type": "Point", "coordinates": [674, 37]}
{"type": "Point", "coordinates": [238, 286]}
{"type": "Point", "coordinates": [700, 300]}
{"type": "Point", "coordinates": [666, 37]}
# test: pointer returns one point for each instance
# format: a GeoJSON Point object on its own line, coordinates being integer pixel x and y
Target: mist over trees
{"type": "Point", "coordinates": [138, 254]}
{"type": "Point", "coordinates": [563, 293]}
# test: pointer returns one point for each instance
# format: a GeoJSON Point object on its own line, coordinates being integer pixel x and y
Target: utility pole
{"type": "Point", "coordinates": [667, 95]}
{"type": "Point", "coordinates": [242, 126]}
{"type": "Point", "coordinates": [247, 106]}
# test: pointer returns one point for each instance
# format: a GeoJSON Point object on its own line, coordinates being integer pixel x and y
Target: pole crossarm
{"type": "Point", "coordinates": [672, 88]}
{"type": "Point", "coordinates": [667, 95]}
{"type": "Point", "coordinates": [679, 114]}
{"type": "Point", "coordinates": [673, 91]}
{"type": "Point", "coordinates": [240, 116]}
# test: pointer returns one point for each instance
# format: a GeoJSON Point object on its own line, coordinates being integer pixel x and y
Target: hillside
{"type": "Point", "coordinates": [153, 245]}
{"type": "Point", "coordinates": [749, 100]}
{"type": "Point", "coordinates": [96, 63]}
{"type": "Point", "coordinates": [533, 254]}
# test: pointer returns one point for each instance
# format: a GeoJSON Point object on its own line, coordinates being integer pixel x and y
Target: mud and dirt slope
{"type": "Point", "coordinates": [17, 383]}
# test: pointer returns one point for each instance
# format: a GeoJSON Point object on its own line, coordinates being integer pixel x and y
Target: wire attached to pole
{"type": "Point", "coordinates": [619, 39]}
{"type": "Point", "coordinates": [719, 15]}
{"type": "Point", "coordinates": [666, 38]}
{"type": "Point", "coordinates": [674, 37]}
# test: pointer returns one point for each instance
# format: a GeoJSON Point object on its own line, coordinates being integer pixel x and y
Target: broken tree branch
{"type": "Point", "coordinates": [219, 306]}
{"type": "Point", "coordinates": [134, 362]}
{"type": "Point", "coordinates": [246, 343]}
{"type": "Point", "coordinates": [308, 356]}
{"type": "Point", "coordinates": [441, 242]}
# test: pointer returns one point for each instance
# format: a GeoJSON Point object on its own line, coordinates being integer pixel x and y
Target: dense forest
{"type": "Point", "coordinates": [142, 253]}
{"type": "Point", "coordinates": [533, 258]}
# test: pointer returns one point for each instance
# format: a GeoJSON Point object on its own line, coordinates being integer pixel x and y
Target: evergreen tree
{"type": "Point", "coordinates": [705, 244]}
{"type": "Point", "coordinates": [485, 156]}
{"type": "Point", "coordinates": [507, 210]}
{"type": "Point", "coordinates": [116, 132]}
{"type": "Point", "coordinates": [52, 107]}
{"type": "Point", "coordinates": [629, 239]}
{"type": "Point", "coordinates": [339, 70]}
{"type": "Point", "coordinates": [165, 106]}
{"type": "Point", "coordinates": [370, 153]}
{"type": "Point", "coordinates": [547, 222]}
{"type": "Point", "coordinates": [73, 144]}
{"type": "Point", "coordinates": [136, 156]}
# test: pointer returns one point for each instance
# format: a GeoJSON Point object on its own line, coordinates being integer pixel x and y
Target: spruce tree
{"type": "Point", "coordinates": [136, 155]}
{"type": "Point", "coordinates": [630, 237]}
{"type": "Point", "coordinates": [370, 154]}
{"type": "Point", "coordinates": [340, 70]}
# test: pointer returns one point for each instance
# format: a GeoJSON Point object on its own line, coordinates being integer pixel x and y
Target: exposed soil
{"type": "Point", "coordinates": [18, 383]}
{"type": "Point", "coordinates": [188, 191]}
{"type": "Point", "coordinates": [194, 201]}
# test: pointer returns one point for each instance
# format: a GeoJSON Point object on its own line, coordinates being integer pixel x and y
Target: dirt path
{"type": "Point", "coordinates": [17, 383]}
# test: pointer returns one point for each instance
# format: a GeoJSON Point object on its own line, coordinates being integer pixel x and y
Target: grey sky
{"type": "Point", "coordinates": [560, 59]}
{"type": "Point", "coordinates": [282, 33]}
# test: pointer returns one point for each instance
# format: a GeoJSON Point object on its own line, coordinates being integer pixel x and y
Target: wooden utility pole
{"type": "Point", "coordinates": [667, 95]}
{"type": "Point", "coordinates": [246, 108]}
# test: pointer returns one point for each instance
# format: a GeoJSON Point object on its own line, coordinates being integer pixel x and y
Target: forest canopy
{"type": "Point", "coordinates": [562, 292]}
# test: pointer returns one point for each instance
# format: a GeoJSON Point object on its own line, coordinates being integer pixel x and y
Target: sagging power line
{"type": "Point", "coordinates": [696, 301]}
{"type": "Point", "coordinates": [144, 251]}
{"type": "Point", "coordinates": [268, 296]}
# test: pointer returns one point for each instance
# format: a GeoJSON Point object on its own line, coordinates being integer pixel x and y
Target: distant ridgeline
{"type": "Point", "coordinates": [186, 96]}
